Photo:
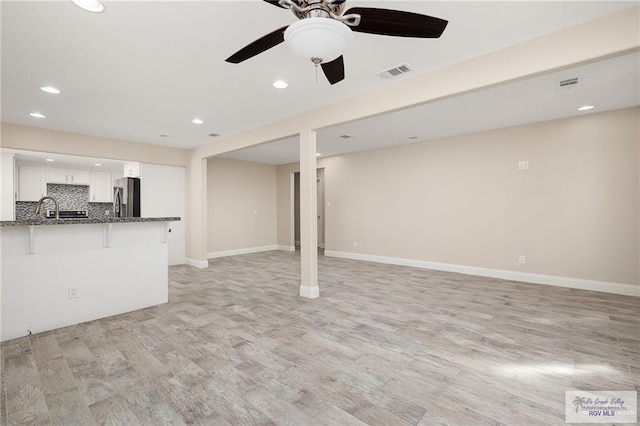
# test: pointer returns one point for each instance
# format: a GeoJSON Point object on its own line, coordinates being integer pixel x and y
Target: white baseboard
{"type": "Point", "coordinates": [578, 283]}
{"type": "Point", "coordinates": [286, 248]}
{"type": "Point", "coordinates": [309, 292]}
{"type": "Point", "coordinates": [196, 263]}
{"type": "Point", "coordinates": [297, 244]}
{"type": "Point", "coordinates": [249, 250]}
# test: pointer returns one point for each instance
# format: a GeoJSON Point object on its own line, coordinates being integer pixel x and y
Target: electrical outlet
{"type": "Point", "coordinates": [74, 292]}
{"type": "Point", "coordinates": [355, 244]}
{"type": "Point", "coordinates": [522, 259]}
{"type": "Point", "coordinates": [523, 165]}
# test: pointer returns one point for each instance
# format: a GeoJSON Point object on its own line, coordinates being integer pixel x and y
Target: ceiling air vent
{"type": "Point", "coordinates": [395, 71]}
{"type": "Point", "coordinates": [569, 83]}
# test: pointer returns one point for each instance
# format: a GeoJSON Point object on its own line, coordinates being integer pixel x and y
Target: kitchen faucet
{"type": "Point", "coordinates": [50, 198]}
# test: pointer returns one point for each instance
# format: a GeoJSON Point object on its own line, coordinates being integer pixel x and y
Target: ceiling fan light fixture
{"type": "Point", "coordinates": [320, 40]}
{"type": "Point", "coordinates": [94, 6]}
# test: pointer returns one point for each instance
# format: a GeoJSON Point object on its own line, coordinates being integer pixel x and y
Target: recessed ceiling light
{"type": "Point", "coordinates": [280, 84]}
{"type": "Point", "coordinates": [197, 121]}
{"type": "Point", "coordinates": [94, 6]}
{"type": "Point", "coordinates": [51, 160]}
{"type": "Point", "coordinates": [586, 108]}
{"type": "Point", "coordinates": [50, 89]}
{"type": "Point", "coordinates": [37, 115]}
{"type": "Point", "coordinates": [98, 165]}
{"type": "Point", "coordinates": [318, 154]}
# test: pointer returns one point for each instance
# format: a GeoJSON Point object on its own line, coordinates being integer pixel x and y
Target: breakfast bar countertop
{"type": "Point", "coordinates": [82, 221]}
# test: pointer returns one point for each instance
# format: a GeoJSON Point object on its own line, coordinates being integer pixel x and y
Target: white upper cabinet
{"type": "Point", "coordinates": [79, 177]}
{"type": "Point", "coordinates": [32, 183]}
{"type": "Point", "coordinates": [57, 175]}
{"type": "Point", "coordinates": [101, 187]}
{"type": "Point", "coordinates": [67, 176]}
{"type": "Point", "coordinates": [132, 169]}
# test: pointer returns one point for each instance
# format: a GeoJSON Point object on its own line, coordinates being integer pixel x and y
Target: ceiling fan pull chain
{"type": "Point", "coordinates": [316, 61]}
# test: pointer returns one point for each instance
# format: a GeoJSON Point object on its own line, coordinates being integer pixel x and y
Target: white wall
{"type": "Point", "coordinates": [7, 175]}
{"type": "Point", "coordinates": [163, 195]}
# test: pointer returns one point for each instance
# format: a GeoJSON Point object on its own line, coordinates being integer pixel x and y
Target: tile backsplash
{"type": "Point", "coordinates": [70, 197]}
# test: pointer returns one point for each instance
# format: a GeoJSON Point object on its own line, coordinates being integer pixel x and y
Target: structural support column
{"type": "Point", "coordinates": [196, 222]}
{"type": "Point", "coordinates": [308, 216]}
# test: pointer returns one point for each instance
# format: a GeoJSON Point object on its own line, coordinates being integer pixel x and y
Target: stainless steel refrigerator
{"type": "Point", "coordinates": [126, 197]}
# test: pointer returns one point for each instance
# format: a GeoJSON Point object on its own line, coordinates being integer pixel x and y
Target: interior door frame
{"type": "Point", "coordinates": [292, 208]}
{"type": "Point", "coordinates": [292, 212]}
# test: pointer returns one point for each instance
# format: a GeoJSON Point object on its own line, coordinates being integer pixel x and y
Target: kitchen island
{"type": "Point", "coordinates": [55, 273]}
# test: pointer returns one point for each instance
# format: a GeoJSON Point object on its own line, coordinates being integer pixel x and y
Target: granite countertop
{"type": "Point", "coordinates": [32, 222]}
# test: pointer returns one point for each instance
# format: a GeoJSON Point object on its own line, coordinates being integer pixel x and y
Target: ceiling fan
{"type": "Point", "coordinates": [327, 26]}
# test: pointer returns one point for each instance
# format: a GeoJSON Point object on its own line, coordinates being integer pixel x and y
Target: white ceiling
{"type": "Point", "coordinates": [142, 69]}
{"type": "Point", "coordinates": [608, 85]}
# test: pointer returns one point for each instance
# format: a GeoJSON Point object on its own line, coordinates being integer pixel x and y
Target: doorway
{"type": "Point", "coordinates": [320, 207]}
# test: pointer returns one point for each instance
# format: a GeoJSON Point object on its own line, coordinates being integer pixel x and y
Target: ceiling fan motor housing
{"type": "Point", "coordinates": [314, 8]}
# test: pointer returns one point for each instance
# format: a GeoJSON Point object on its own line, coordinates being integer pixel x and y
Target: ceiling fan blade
{"type": "Point", "coordinates": [274, 2]}
{"type": "Point", "coordinates": [334, 70]}
{"type": "Point", "coordinates": [397, 23]}
{"type": "Point", "coordinates": [260, 45]}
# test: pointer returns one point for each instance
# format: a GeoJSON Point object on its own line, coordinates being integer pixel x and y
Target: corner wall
{"type": "Point", "coordinates": [462, 200]}
{"type": "Point", "coordinates": [241, 205]}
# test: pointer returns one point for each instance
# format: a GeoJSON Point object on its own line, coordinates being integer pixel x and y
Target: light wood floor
{"type": "Point", "coordinates": [383, 345]}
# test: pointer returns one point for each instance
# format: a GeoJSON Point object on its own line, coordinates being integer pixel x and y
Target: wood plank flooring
{"type": "Point", "coordinates": [383, 345]}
